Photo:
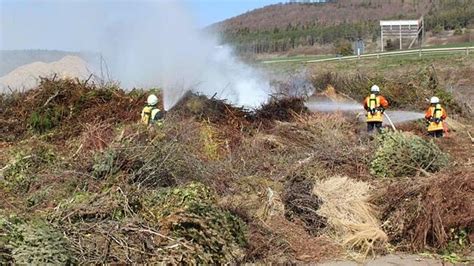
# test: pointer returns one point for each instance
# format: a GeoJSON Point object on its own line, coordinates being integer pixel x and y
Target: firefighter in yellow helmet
{"type": "Point", "coordinates": [375, 106]}
{"type": "Point", "coordinates": [150, 113]}
{"type": "Point", "coordinates": [435, 115]}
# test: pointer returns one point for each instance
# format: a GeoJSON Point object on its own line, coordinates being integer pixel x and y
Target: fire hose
{"type": "Point", "coordinates": [390, 121]}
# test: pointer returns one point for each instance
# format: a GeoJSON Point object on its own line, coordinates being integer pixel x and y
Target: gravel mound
{"type": "Point", "coordinates": [27, 76]}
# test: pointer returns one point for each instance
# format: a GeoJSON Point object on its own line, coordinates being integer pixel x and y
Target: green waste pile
{"type": "Point", "coordinates": [213, 235]}
{"type": "Point", "coordinates": [216, 184]}
{"type": "Point", "coordinates": [405, 154]}
{"type": "Point", "coordinates": [434, 212]}
{"type": "Point", "coordinates": [26, 163]}
{"type": "Point", "coordinates": [32, 242]}
{"type": "Point", "coordinates": [174, 225]}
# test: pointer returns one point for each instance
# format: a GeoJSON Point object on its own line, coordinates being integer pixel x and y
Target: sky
{"type": "Point", "coordinates": [210, 11]}
{"type": "Point", "coordinates": [23, 22]}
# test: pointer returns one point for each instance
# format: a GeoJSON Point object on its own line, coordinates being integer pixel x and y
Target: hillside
{"type": "Point", "coordinates": [282, 15]}
{"type": "Point", "coordinates": [283, 27]}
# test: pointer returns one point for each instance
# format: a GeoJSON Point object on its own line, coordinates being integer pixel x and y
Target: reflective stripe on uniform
{"type": "Point", "coordinates": [436, 113]}
{"type": "Point", "coordinates": [374, 103]}
{"type": "Point", "coordinates": [148, 114]}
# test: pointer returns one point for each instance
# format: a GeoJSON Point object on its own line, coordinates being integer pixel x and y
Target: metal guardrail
{"type": "Point", "coordinates": [420, 52]}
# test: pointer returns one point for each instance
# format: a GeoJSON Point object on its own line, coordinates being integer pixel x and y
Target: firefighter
{"type": "Point", "coordinates": [151, 114]}
{"type": "Point", "coordinates": [435, 115]}
{"type": "Point", "coordinates": [375, 106]}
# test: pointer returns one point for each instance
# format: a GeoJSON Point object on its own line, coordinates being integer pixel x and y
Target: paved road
{"type": "Point", "coordinates": [392, 260]}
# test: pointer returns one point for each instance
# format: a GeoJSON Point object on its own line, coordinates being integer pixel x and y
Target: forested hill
{"type": "Point", "coordinates": [281, 16]}
{"type": "Point", "coordinates": [280, 27]}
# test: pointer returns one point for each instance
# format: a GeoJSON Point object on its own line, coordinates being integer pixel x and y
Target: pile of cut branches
{"type": "Point", "coordinates": [211, 109]}
{"type": "Point", "coordinates": [284, 109]}
{"type": "Point", "coordinates": [64, 106]}
{"type": "Point", "coordinates": [301, 203]}
{"type": "Point", "coordinates": [173, 225]}
{"type": "Point", "coordinates": [429, 212]}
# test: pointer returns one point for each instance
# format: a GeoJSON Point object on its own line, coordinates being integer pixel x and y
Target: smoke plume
{"type": "Point", "coordinates": [161, 46]}
{"type": "Point", "coordinates": [149, 44]}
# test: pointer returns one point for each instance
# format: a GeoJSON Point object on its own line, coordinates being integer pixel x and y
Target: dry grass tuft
{"type": "Point", "coordinates": [351, 218]}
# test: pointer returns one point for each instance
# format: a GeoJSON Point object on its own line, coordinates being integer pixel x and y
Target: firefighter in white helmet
{"type": "Point", "coordinates": [375, 106]}
{"type": "Point", "coordinates": [435, 115]}
{"type": "Point", "coordinates": [151, 114]}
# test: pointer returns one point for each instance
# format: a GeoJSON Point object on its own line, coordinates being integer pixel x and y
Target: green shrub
{"type": "Point", "coordinates": [458, 31]}
{"type": "Point", "coordinates": [191, 213]}
{"type": "Point", "coordinates": [459, 240]}
{"type": "Point", "coordinates": [438, 29]}
{"type": "Point", "coordinates": [343, 47]}
{"type": "Point", "coordinates": [24, 166]}
{"type": "Point", "coordinates": [44, 120]}
{"type": "Point", "coordinates": [32, 242]}
{"type": "Point", "coordinates": [105, 164]}
{"type": "Point", "coordinates": [404, 154]}
{"type": "Point", "coordinates": [38, 197]}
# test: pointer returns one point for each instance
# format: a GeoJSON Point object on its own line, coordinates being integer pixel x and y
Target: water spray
{"type": "Point", "coordinates": [395, 117]}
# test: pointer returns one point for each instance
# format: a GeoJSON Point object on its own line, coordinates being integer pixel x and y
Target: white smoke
{"type": "Point", "coordinates": [143, 43]}
{"type": "Point", "coordinates": [161, 46]}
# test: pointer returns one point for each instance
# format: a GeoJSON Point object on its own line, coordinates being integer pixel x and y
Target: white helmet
{"type": "Point", "coordinates": [375, 88]}
{"type": "Point", "coordinates": [152, 99]}
{"type": "Point", "coordinates": [434, 100]}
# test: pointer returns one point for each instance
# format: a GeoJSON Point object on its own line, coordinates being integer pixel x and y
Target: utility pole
{"type": "Point", "coordinates": [401, 43]}
{"type": "Point", "coordinates": [381, 38]}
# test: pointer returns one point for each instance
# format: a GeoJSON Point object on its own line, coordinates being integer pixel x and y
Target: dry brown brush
{"type": "Point", "coordinates": [280, 109]}
{"type": "Point", "coordinates": [427, 212]}
{"type": "Point", "coordinates": [328, 139]}
{"type": "Point", "coordinates": [301, 203]}
{"type": "Point", "coordinates": [221, 112]}
{"type": "Point", "coordinates": [64, 106]}
{"type": "Point", "coordinates": [211, 109]}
